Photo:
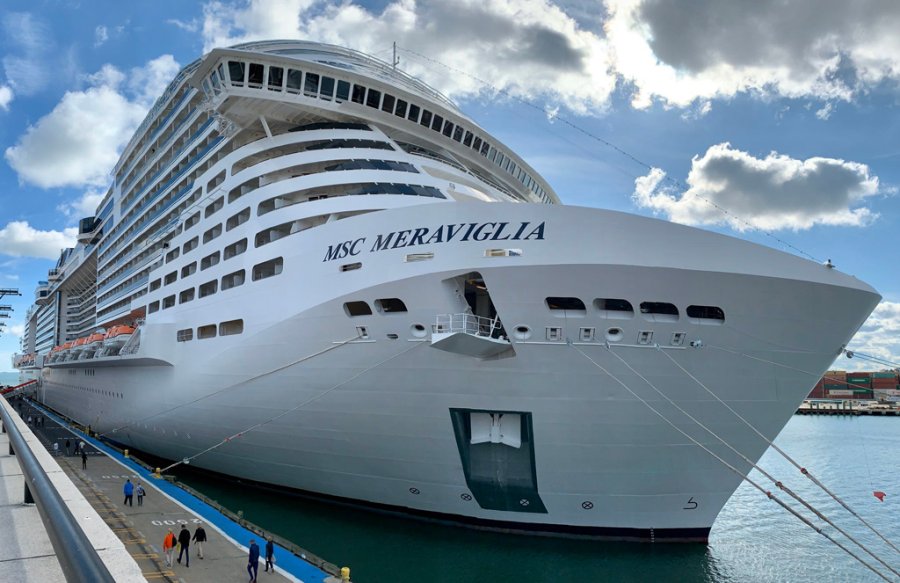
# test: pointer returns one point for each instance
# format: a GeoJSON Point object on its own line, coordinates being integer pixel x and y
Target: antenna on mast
{"type": "Point", "coordinates": [395, 60]}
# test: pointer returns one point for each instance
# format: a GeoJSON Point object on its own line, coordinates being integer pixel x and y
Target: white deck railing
{"type": "Point", "coordinates": [469, 324]}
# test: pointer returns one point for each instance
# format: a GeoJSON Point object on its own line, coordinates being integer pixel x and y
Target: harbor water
{"type": "Point", "coordinates": [753, 539]}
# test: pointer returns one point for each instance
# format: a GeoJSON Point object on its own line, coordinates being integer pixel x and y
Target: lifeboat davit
{"type": "Point", "coordinates": [77, 348]}
{"type": "Point", "coordinates": [54, 353]}
{"type": "Point", "coordinates": [116, 338]}
{"type": "Point", "coordinates": [91, 345]}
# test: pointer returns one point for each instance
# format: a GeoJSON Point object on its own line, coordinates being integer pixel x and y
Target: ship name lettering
{"type": "Point", "coordinates": [342, 250]}
{"type": "Point", "coordinates": [524, 231]}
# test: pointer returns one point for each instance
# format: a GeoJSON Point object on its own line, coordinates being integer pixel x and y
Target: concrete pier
{"type": "Point", "coordinates": [26, 553]}
{"type": "Point", "coordinates": [141, 528]}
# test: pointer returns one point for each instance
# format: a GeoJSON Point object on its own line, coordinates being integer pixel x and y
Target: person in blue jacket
{"type": "Point", "coordinates": [129, 493]}
{"type": "Point", "coordinates": [253, 561]}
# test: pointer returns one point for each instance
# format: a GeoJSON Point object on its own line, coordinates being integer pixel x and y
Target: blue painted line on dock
{"type": "Point", "coordinates": [286, 560]}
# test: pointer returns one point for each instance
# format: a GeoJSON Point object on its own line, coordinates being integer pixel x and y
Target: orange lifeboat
{"type": "Point", "coordinates": [91, 344]}
{"type": "Point", "coordinates": [116, 337]}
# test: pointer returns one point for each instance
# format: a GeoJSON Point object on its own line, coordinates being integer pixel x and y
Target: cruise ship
{"type": "Point", "coordinates": [313, 271]}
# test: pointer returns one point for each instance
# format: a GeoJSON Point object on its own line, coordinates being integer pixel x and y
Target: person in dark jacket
{"type": "Point", "coordinates": [129, 491]}
{"type": "Point", "coordinates": [270, 555]}
{"type": "Point", "coordinates": [253, 561]}
{"type": "Point", "coordinates": [184, 539]}
{"type": "Point", "coordinates": [199, 538]}
{"type": "Point", "coordinates": [83, 459]}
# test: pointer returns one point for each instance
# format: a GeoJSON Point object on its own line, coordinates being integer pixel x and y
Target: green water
{"type": "Point", "coordinates": [752, 540]}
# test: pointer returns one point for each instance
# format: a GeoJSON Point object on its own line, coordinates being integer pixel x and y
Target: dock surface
{"type": "Point", "coordinates": [141, 527]}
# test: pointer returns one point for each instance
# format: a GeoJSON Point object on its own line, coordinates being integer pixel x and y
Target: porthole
{"type": "Point", "coordinates": [522, 332]}
{"type": "Point", "coordinates": [418, 330]}
{"type": "Point", "coordinates": [614, 334]}
{"type": "Point", "coordinates": [393, 336]}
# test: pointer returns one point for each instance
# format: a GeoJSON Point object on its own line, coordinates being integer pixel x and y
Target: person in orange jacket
{"type": "Point", "coordinates": [169, 547]}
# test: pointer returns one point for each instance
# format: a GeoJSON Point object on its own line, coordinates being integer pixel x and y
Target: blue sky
{"type": "Point", "coordinates": [786, 116]}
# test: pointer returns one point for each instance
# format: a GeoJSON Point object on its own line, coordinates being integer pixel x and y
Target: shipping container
{"type": "Point", "coordinates": [840, 393]}
{"type": "Point", "coordinates": [884, 375]}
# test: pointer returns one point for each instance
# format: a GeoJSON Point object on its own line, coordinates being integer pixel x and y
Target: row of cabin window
{"type": "Point", "coordinates": [327, 88]}
{"type": "Point", "coordinates": [263, 270]}
{"type": "Point", "coordinates": [228, 328]}
{"type": "Point", "coordinates": [619, 308]}
{"type": "Point", "coordinates": [384, 306]}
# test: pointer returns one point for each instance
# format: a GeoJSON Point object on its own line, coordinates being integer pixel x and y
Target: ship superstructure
{"type": "Point", "coordinates": [304, 241]}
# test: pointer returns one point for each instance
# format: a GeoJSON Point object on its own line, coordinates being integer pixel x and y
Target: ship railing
{"type": "Point", "coordinates": [468, 324]}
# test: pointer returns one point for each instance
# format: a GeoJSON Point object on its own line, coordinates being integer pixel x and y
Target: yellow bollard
{"type": "Point", "coordinates": [126, 454]}
{"type": "Point", "coordinates": [157, 473]}
{"type": "Point", "coordinates": [345, 573]}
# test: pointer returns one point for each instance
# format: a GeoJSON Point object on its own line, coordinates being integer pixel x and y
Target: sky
{"type": "Point", "coordinates": [772, 121]}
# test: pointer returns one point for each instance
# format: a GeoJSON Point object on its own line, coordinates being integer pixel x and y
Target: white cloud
{"type": "Point", "coordinates": [775, 192]}
{"type": "Point", "coordinates": [189, 26]}
{"type": "Point", "coordinates": [16, 330]}
{"type": "Point", "coordinates": [26, 67]}
{"type": "Point", "coordinates": [79, 142]}
{"type": "Point", "coordinates": [879, 337]}
{"type": "Point", "coordinates": [6, 96]}
{"type": "Point", "coordinates": [19, 239]}
{"type": "Point", "coordinates": [824, 113]}
{"type": "Point", "coordinates": [84, 206]}
{"type": "Point", "coordinates": [530, 48]}
{"type": "Point", "coordinates": [826, 49]}
{"type": "Point", "coordinates": [101, 35]}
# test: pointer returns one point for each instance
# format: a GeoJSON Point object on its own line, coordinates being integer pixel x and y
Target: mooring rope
{"type": "Point", "coordinates": [743, 476]}
{"type": "Point", "coordinates": [778, 483]}
{"type": "Point", "coordinates": [255, 426]}
{"type": "Point", "coordinates": [784, 454]}
{"type": "Point", "coordinates": [229, 387]}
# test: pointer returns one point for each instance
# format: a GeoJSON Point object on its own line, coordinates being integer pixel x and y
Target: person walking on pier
{"type": "Point", "coordinates": [199, 538]}
{"type": "Point", "coordinates": [253, 561]}
{"type": "Point", "coordinates": [184, 539]}
{"type": "Point", "coordinates": [129, 493]}
{"type": "Point", "coordinates": [169, 547]}
{"type": "Point", "coordinates": [83, 460]}
{"type": "Point", "coordinates": [68, 447]}
{"type": "Point", "coordinates": [140, 494]}
{"type": "Point", "coordinates": [270, 555]}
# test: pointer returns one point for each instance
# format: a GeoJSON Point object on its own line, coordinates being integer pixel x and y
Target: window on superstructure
{"type": "Point", "coordinates": [269, 268]}
{"type": "Point", "coordinates": [357, 309]}
{"type": "Point", "coordinates": [191, 245]}
{"type": "Point", "coordinates": [153, 307]}
{"type": "Point", "coordinates": [231, 327]}
{"type": "Point", "coordinates": [614, 308]}
{"type": "Point", "coordinates": [311, 84]}
{"type": "Point", "coordinates": [373, 98]}
{"type": "Point", "coordinates": [233, 280]}
{"type": "Point", "coordinates": [209, 261]}
{"type": "Point", "coordinates": [243, 189]}
{"type": "Point", "coordinates": [448, 129]}
{"type": "Point", "coordinates": [184, 335]}
{"type": "Point", "coordinates": [390, 305]}
{"type": "Point", "coordinates": [566, 304]}
{"type": "Point", "coordinates": [458, 134]}
{"type": "Point", "coordinates": [276, 78]}
{"type": "Point", "coordinates": [484, 148]}
{"type": "Point", "coordinates": [426, 118]}
{"type": "Point", "coordinates": [192, 220]}
{"type": "Point", "coordinates": [186, 296]}
{"type": "Point", "coordinates": [255, 78]}
{"type": "Point", "coordinates": [659, 311]}
{"type": "Point", "coordinates": [414, 110]}
{"type": "Point", "coordinates": [343, 91]}
{"type": "Point", "coordinates": [221, 69]}
{"type": "Point", "coordinates": [168, 302]}
{"type": "Point", "coordinates": [359, 94]}
{"type": "Point", "coordinates": [208, 331]}
{"type": "Point", "coordinates": [215, 182]}
{"type": "Point", "coordinates": [212, 233]}
{"type": "Point", "coordinates": [326, 88]}
{"type": "Point", "coordinates": [236, 73]}
{"type": "Point", "coordinates": [294, 80]}
{"type": "Point", "coordinates": [170, 277]}
{"type": "Point", "coordinates": [208, 288]}
{"type": "Point", "coordinates": [476, 144]}
{"type": "Point", "coordinates": [237, 219]}
{"type": "Point", "coordinates": [467, 141]}
{"type": "Point", "coordinates": [214, 207]}
{"type": "Point", "coordinates": [387, 104]}
{"type": "Point", "coordinates": [214, 78]}
{"type": "Point", "coordinates": [155, 284]}
{"type": "Point", "coordinates": [437, 123]}
{"type": "Point", "coordinates": [717, 315]}
{"type": "Point", "coordinates": [234, 249]}
{"type": "Point", "coordinates": [189, 269]}
{"type": "Point", "coordinates": [173, 254]}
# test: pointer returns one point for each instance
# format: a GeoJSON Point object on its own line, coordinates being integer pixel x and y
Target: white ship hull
{"type": "Point", "coordinates": [377, 418]}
